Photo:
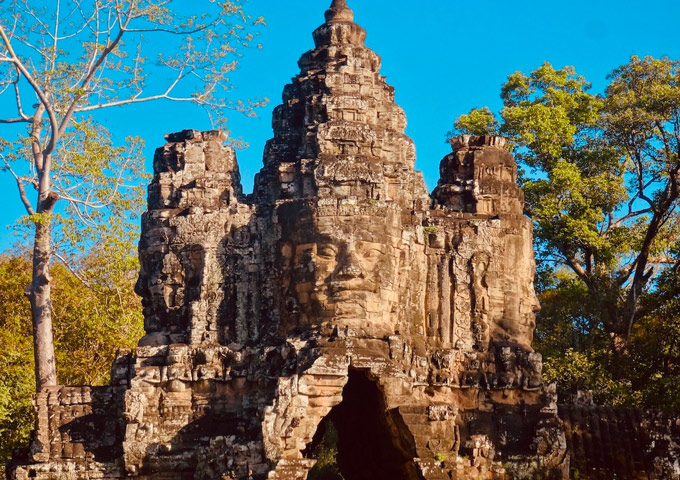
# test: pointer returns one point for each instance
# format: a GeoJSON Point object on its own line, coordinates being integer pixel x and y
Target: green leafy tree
{"type": "Point", "coordinates": [601, 183]}
{"type": "Point", "coordinates": [90, 323]}
{"type": "Point", "coordinates": [62, 62]}
{"type": "Point", "coordinates": [655, 341]}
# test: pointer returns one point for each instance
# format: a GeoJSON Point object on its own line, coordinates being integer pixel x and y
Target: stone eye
{"type": "Point", "coordinates": [327, 250]}
{"type": "Point", "coordinates": [373, 254]}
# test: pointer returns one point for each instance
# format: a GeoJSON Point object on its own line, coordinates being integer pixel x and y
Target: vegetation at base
{"type": "Point", "coordinates": [579, 358]}
{"type": "Point", "coordinates": [601, 175]}
{"type": "Point", "coordinates": [90, 324]}
{"type": "Point", "coordinates": [325, 453]}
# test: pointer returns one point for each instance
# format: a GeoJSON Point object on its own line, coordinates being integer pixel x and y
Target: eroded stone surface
{"type": "Point", "coordinates": [339, 291]}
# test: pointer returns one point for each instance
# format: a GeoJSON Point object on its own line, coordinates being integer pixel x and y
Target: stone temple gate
{"type": "Point", "coordinates": [340, 292]}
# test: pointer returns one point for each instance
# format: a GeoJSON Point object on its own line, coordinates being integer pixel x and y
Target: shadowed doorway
{"type": "Point", "coordinates": [360, 440]}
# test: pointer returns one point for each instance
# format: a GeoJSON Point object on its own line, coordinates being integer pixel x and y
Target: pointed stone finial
{"type": "Point", "coordinates": [339, 12]}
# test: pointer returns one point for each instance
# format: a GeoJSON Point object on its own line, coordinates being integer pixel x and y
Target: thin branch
{"type": "Point", "coordinates": [640, 178]}
{"type": "Point", "coordinates": [17, 96]}
{"type": "Point", "coordinates": [85, 203]}
{"type": "Point", "coordinates": [663, 260]}
{"type": "Point", "coordinates": [631, 215]}
{"type": "Point", "coordinates": [20, 187]}
{"type": "Point", "coordinates": [15, 120]}
{"type": "Point", "coordinates": [174, 32]}
{"type": "Point", "coordinates": [95, 49]}
{"type": "Point", "coordinates": [55, 38]}
{"type": "Point", "coordinates": [28, 44]}
{"type": "Point", "coordinates": [38, 91]}
{"type": "Point", "coordinates": [86, 21]}
{"type": "Point", "coordinates": [44, 26]}
{"type": "Point", "coordinates": [93, 70]}
{"type": "Point", "coordinates": [129, 101]}
{"type": "Point", "coordinates": [77, 274]}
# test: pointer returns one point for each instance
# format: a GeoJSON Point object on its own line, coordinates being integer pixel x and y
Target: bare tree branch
{"type": "Point", "coordinates": [39, 92]}
{"type": "Point", "coordinates": [77, 274]}
{"type": "Point", "coordinates": [662, 260]}
{"type": "Point", "coordinates": [630, 215]}
{"type": "Point", "coordinates": [55, 38]}
{"type": "Point", "coordinates": [20, 186]}
{"type": "Point", "coordinates": [129, 101]}
{"type": "Point", "coordinates": [15, 120]}
{"type": "Point", "coordinates": [202, 28]}
{"type": "Point", "coordinates": [58, 132]}
{"type": "Point", "coordinates": [37, 19]}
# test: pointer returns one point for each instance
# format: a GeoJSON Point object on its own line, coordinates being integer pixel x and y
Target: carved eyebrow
{"type": "Point", "coordinates": [327, 245]}
{"type": "Point", "coordinates": [373, 246]}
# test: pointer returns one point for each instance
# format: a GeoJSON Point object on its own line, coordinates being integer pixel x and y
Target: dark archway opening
{"type": "Point", "coordinates": [360, 440]}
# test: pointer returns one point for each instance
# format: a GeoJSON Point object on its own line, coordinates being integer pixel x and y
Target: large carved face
{"type": "Point", "coordinates": [343, 270]}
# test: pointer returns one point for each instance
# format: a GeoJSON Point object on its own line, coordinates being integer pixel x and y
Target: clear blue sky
{"type": "Point", "coordinates": [443, 56]}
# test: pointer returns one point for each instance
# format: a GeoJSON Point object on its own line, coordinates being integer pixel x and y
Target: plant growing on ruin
{"type": "Point", "coordinates": [60, 64]}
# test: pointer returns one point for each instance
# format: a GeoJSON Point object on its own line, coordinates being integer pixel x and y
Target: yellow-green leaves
{"type": "Point", "coordinates": [90, 323]}
{"type": "Point", "coordinates": [549, 112]}
{"type": "Point", "coordinates": [547, 130]}
{"type": "Point", "coordinates": [576, 371]}
{"type": "Point", "coordinates": [568, 209]}
{"type": "Point", "coordinates": [641, 114]}
{"type": "Point", "coordinates": [480, 121]}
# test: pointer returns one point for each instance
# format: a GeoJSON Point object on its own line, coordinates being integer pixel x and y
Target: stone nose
{"type": "Point", "coordinates": [350, 267]}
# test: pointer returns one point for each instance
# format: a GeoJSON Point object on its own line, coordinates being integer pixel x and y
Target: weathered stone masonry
{"type": "Point", "coordinates": [339, 291]}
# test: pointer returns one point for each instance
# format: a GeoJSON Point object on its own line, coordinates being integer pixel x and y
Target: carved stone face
{"type": "Point", "coordinates": [528, 304]}
{"type": "Point", "coordinates": [344, 270]}
{"type": "Point", "coordinates": [347, 274]}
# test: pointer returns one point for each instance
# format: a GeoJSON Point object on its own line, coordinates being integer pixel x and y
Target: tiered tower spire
{"type": "Point", "coordinates": [339, 130]}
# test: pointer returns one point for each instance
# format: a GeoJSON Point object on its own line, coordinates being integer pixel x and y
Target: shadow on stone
{"type": "Point", "coordinates": [369, 441]}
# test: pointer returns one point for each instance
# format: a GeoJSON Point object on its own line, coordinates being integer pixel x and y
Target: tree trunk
{"type": "Point", "coordinates": [41, 305]}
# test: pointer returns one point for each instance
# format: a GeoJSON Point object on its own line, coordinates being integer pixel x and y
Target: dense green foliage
{"type": "Point", "coordinates": [601, 177]}
{"type": "Point", "coordinates": [90, 323]}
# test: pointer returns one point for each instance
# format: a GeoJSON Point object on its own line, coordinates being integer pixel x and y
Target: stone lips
{"type": "Point", "coordinates": [339, 291]}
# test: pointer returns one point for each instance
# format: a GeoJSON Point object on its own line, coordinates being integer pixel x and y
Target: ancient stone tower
{"type": "Point", "coordinates": [339, 295]}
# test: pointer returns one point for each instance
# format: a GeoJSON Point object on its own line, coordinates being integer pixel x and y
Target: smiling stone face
{"type": "Point", "coordinates": [342, 271]}
{"type": "Point", "coordinates": [349, 274]}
